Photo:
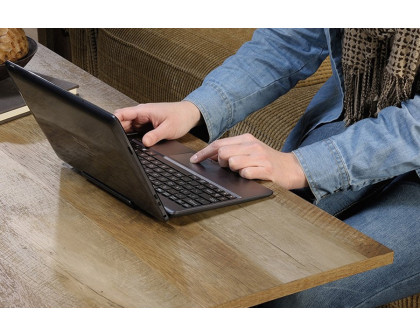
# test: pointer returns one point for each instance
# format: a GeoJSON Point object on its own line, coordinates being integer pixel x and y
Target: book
{"type": "Point", "coordinates": [13, 106]}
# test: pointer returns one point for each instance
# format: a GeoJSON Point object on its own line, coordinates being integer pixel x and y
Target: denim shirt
{"type": "Point", "coordinates": [268, 66]}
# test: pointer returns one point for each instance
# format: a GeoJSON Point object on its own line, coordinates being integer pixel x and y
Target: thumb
{"type": "Point", "coordinates": [155, 135]}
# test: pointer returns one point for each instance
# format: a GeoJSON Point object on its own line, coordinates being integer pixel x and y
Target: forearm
{"type": "Point", "coordinates": [370, 151]}
{"type": "Point", "coordinates": [261, 71]}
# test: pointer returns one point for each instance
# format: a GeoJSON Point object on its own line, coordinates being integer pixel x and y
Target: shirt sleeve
{"type": "Point", "coordinates": [367, 152]}
{"type": "Point", "coordinates": [262, 70]}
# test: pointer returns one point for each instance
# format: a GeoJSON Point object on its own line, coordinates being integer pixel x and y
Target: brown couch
{"type": "Point", "coordinates": [163, 65]}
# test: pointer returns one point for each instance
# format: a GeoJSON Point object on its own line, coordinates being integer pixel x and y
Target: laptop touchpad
{"type": "Point", "coordinates": [207, 168]}
{"type": "Point", "coordinates": [168, 147]}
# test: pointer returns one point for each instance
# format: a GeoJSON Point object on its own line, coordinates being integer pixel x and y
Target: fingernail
{"type": "Point", "coordinates": [194, 158]}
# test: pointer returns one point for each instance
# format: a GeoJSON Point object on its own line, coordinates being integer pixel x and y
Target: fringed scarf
{"type": "Point", "coordinates": [380, 68]}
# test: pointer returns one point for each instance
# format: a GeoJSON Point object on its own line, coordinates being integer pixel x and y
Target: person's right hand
{"type": "Point", "coordinates": [170, 120]}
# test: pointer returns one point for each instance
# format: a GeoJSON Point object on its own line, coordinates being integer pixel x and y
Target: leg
{"type": "Point", "coordinates": [393, 220]}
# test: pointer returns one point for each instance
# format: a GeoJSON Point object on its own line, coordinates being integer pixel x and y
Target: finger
{"type": "Point", "coordinates": [127, 125]}
{"type": "Point", "coordinates": [225, 152]}
{"type": "Point", "coordinates": [138, 114]}
{"type": "Point", "coordinates": [118, 114]}
{"type": "Point", "coordinates": [254, 173]}
{"type": "Point", "coordinates": [213, 149]}
{"type": "Point", "coordinates": [126, 113]}
{"type": "Point", "coordinates": [238, 162]}
{"type": "Point", "coordinates": [161, 132]}
{"type": "Point", "coordinates": [228, 153]}
{"type": "Point", "coordinates": [207, 152]}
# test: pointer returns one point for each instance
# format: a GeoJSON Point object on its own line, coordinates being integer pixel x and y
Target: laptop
{"type": "Point", "coordinates": [159, 180]}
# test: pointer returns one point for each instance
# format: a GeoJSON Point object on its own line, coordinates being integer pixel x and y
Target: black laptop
{"type": "Point", "coordinates": [159, 180]}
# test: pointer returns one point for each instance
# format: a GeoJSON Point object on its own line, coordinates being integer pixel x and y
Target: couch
{"type": "Point", "coordinates": [164, 65]}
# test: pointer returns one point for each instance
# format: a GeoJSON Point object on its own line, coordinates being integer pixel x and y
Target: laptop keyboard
{"type": "Point", "coordinates": [184, 188]}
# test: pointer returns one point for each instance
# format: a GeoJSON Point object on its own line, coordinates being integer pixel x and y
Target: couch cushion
{"type": "Point", "coordinates": [163, 64]}
{"type": "Point", "coordinates": [273, 123]}
{"type": "Point", "coordinates": [408, 302]}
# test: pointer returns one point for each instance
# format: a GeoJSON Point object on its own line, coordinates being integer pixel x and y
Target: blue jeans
{"type": "Point", "coordinates": [388, 212]}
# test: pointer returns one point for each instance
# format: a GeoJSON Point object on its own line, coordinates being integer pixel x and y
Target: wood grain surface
{"type": "Point", "coordinates": [66, 243]}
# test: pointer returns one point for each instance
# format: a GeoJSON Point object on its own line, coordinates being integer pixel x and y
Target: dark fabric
{"type": "Point", "coordinates": [83, 49]}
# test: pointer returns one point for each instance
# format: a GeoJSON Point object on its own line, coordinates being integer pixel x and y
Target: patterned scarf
{"type": "Point", "coordinates": [380, 68]}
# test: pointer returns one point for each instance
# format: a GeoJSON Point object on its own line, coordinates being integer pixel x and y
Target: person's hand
{"type": "Point", "coordinates": [169, 120]}
{"type": "Point", "coordinates": [253, 159]}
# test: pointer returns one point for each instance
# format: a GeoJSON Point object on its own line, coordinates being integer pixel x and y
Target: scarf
{"type": "Point", "coordinates": [380, 69]}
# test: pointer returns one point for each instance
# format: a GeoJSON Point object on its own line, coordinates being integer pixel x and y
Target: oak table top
{"type": "Point", "coordinates": [66, 243]}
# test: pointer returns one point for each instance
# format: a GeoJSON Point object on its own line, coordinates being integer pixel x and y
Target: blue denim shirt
{"type": "Point", "coordinates": [268, 66]}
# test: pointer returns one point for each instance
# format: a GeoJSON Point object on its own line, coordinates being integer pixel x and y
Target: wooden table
{"type": "Point", "coordinates": [66, 243]}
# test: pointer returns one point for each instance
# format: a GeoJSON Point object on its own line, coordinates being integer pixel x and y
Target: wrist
{"type": "Point", "coordinates": [194, 114]}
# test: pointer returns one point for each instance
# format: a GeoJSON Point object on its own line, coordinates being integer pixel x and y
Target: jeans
{"type": "Point", "coordinates": [389, 213]}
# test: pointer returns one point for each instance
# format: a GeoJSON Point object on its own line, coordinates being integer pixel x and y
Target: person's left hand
{"type": "Point", "coordinates": [253, 159]}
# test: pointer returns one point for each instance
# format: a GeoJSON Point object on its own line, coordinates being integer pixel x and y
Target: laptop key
{"type": "Point", "coordinates": [202, 201]}
{"type": "Point", "coordinates": [188, 190]}
{"type": "Point", "coordinates": [208, 197]}
{"type": "Point", "coordinates": [191, 202]}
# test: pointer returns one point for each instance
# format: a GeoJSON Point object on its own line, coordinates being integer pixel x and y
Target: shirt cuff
{"type": "Point", "coordinates": [214, 107]}
{"type": "Point", "coordinates": [323, 167]}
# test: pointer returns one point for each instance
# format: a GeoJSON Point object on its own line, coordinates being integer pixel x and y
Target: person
{"type": "Point", "coordinates": [354, 153]}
